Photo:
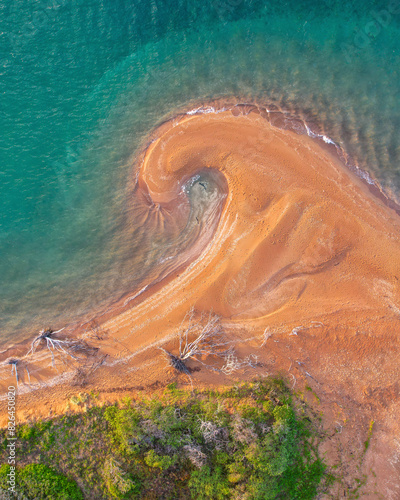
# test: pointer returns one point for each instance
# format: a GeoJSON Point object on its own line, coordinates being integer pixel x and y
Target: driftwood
{"type": "Point", "coordinates": [176, 362]}
{"type": "Point", "coordinates": [14, 368]}
{"type": "Point", "coordinates": [208, 339]}
{"type": "Point", "coordinates": [65, 347]}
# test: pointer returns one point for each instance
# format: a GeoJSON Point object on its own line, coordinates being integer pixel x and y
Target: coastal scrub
{"type": "Point", "coordinates": [250, 441]}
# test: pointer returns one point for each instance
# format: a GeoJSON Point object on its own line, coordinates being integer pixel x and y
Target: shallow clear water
{"type": "Point", "coordinates": [83, 82]}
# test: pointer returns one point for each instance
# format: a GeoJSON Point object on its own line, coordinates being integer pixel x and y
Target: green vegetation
{"type": "Point", "coordinates": [252, 441]}
{"type": "Point", "coordinates": [40, 481]}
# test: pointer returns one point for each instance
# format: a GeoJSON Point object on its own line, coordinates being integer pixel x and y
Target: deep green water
{"type": "Point", "coordinates": [83, 81]}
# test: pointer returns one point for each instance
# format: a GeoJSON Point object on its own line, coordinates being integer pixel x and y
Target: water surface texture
{"type": "Point", "coordinates": [84, 82]}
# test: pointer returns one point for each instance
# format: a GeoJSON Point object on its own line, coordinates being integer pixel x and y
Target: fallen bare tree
{"type": "Point", "coordinates": [176, 362]}
{"type": "Point", "coordinates": [203, 337]}
{"type": "Point", "coordinates": [208, 339]}
{"type": "Point", "coordinates": [14, 369]}
{"type": "Point", "coordinates": [66, 347]}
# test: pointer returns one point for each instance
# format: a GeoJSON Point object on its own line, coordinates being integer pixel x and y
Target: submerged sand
{"type": "Point", "coordinates": [297, 256]}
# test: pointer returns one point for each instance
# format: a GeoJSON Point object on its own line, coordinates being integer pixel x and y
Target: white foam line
{"type": "Point", "coordinates": [136, 295]}
{"type": "Point", "coordinates": [205, 110]}
{"type": "Point", "coordinates": [211, 109]}
{"type": "Point", "coordinates": [365, 175]}
{"type": "Point", "coordinates": [328, 140]}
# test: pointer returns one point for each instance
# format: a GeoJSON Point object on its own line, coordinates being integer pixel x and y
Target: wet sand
{"type": "Point", "coordinates": [295, 253]}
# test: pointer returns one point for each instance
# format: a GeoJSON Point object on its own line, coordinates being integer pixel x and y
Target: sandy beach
{"type": "Point", "coordinates": [293, 251]}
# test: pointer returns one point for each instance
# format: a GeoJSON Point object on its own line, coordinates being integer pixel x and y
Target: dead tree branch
{"type": "Point", "coordinates": [233, 363]}
{"type": "Point", "coordinates": [14, 369]}
{"type": "Point", "coordinates": [64, 347]}
{"type": "Point", "coordinates": [200, 338]}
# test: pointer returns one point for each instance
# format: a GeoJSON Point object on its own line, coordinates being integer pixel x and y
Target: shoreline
{"type": "Point", "coordinates": [299, 260]}
{"type": "Point", "coordinates": [277, 117]}
{"type": "Point", "coordinates": [274, 118]}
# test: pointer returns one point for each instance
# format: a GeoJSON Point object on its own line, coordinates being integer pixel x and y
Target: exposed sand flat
{"type": "Point", "coordinates": [294, 254]}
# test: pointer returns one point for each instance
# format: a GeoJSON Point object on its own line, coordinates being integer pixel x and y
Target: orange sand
{"type": "Point", "coordinates": [303, 268]}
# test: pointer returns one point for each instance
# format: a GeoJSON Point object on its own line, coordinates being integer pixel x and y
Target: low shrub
{"type": "Point", "coordinates": [36, 481]}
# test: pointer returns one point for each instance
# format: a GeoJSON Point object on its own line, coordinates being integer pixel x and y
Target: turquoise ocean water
{"type": "Point", "coordinates": [83, 81]}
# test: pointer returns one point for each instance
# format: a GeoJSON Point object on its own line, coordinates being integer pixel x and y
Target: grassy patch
{"type": "Point", "coordinates": [251, 441]}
